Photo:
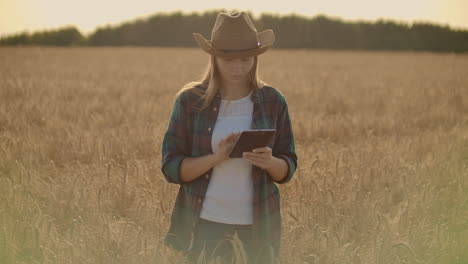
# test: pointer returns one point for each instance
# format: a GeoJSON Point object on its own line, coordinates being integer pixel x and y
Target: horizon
{"type": "Point", "coordinates": [29, 16]}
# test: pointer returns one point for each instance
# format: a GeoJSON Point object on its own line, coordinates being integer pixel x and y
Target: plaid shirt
{"type": "Point", "coordinates": [189, 135]}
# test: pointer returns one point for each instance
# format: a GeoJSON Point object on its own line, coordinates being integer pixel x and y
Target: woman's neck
{"type": "Point", "coordinates": [234, 91]}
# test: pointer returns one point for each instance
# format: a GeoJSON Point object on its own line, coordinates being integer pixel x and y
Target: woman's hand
{"type": "Point", "coordinates": [225, 147]}
{"type": "Point", "coordinates": [261, 157]}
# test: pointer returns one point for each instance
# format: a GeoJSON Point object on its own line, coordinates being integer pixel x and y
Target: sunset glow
{"type": "Point", "coordinates": [29, 15]}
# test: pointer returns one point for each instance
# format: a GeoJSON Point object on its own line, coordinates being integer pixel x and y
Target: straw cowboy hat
{"type": "Point", "coordinates": [235, 36]}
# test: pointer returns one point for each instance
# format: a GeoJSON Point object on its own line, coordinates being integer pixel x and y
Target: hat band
{"type": "Point", "coordinates": [242, 50]}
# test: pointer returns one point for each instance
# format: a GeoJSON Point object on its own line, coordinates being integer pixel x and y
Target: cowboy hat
{"type": "Point", "coordinates": [235, 36]}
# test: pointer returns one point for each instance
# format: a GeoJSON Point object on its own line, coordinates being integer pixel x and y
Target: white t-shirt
{"type": "Point", "coordinates": [230, 191]}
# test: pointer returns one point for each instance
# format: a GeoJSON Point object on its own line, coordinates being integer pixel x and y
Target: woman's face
{"type": "Point", "coordinates": [234, 70]}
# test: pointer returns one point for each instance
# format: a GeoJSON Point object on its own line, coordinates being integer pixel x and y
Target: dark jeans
{"type": "Point", "coordinates": [217, 241]}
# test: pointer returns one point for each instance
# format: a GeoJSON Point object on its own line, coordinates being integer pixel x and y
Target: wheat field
{"type": "Point", "coordinates": [381, 139]}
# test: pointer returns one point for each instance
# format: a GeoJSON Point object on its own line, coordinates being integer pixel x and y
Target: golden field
{"type": "Point", "coordinates": [381, 139]}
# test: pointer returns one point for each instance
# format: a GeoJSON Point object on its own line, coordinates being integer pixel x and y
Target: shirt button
{"type": "Point", "coordinates": [199, 200]}
{"type": "Point", "coordinates": [209, 129]}
{"type": "Point", "coordinates": [207, 176]}
{"type": "Point", "coordinates": [214, 109]}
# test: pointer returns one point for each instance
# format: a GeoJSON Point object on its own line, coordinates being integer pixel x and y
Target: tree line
{"type": "Point", "coordinates": [292, 31]}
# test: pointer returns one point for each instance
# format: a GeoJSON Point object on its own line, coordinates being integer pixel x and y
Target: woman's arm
{"type": "Point", "coordinates": [281, 161]}
{"type": "Point", "coordinates": [177, 166]}
{"type": "Point", "coordinates": [193, 168]}
{"type": "Point", "coordinates": [277, 168]}
{"type": "Point", "coordinates": [284, 147]}
{"type": "Point", "coordinates": [176, 143]}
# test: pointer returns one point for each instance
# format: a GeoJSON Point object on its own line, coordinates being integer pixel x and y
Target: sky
{"type": "Point", "coordinates": [32, 15]}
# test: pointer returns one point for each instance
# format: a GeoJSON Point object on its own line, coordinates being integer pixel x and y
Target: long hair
{"type": "Point", "coordinates": [211, 80]}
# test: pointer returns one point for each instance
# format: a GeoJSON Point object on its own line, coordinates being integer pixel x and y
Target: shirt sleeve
{"type": "Point", "coordinates": [175, 146]}
{"type": "Point", "coordinates": [284, 146]}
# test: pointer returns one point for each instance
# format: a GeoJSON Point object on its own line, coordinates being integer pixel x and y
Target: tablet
{"type": "Point", "coordinates": [252, 139]}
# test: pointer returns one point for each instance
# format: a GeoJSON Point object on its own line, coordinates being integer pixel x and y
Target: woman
{"type": "Point", "coordinates": [219, 197]}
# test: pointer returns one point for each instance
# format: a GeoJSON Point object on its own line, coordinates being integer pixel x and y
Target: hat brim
{"type": "Point", "coordinates": [265, 38]}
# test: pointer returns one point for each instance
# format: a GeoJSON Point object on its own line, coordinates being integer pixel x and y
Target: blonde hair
{"type": "Point", "coordinates": [211, 80]}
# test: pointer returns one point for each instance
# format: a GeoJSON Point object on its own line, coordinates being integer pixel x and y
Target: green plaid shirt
{"type": "Point", "coordinates": [189, 135]}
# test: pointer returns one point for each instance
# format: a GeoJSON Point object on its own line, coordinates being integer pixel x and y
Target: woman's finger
{"type": "Point", "coordinates": [256, 158]}
{"type": "Point", "coordinates": [256, 163]}
{"type": "Point", "coordinates": [232, 139]}
{"type": "Point", "coordinates": [234, 136]}
{"type": "Point", "coordinates": [256, 155]}
{"type": "Point", "coordinates": [262, 150]}
{"type": "Point", "coordinates": [231, 136]}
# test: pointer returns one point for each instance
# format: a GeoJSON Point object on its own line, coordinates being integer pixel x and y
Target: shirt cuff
{"type": "Point", "coordinates": [171, 170]}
